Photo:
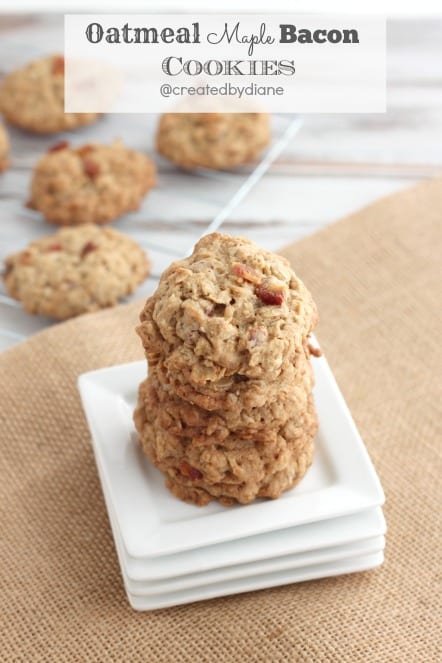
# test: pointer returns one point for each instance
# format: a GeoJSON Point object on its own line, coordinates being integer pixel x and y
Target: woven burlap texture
{"type": "Point", "coordinates": [375, 277]}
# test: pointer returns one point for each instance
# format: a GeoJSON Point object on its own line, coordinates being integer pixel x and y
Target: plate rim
{"type": "Point", "coordinates": [330, 554]}
{"type": "Point", "coordinates": [169, 538]}
{"type": "Point", "coordinates": [133, 565]}
{"type": "Point", "coordinates": [278, 579]}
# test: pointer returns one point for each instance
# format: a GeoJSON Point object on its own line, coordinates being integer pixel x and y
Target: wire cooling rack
{"type": "Point", "coordinates": [165, 224]}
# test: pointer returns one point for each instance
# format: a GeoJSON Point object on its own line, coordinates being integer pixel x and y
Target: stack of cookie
{"type": "Point", "coordinates": [227, 411]}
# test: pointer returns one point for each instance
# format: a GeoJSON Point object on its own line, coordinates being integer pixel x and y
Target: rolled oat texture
{"type": "Point", "coordinates": [91, 183]}
{"type": "Point", "coordinates": [226, 411]}
{"type": "Point", "coordinates": [75, 270]}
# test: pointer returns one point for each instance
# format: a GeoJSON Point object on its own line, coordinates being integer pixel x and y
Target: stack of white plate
{"type": "Point", "coordinates": [172, 553]}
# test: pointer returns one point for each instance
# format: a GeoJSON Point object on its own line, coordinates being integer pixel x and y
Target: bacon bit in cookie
{"type": "Point", "coordinates": [87, 248]}
{"type": "Point", "coordinates": [58, 65]}
{"type": "Point", "coordinates": [245, 272]}
{"type": "Point", "coordinates": [61, 145]}
{"type": "Point", "coordinates": [54, 247]}
{"type": "Point", "coordinates": [91, 168]}
{"type": "Point", "coordinates": [84, 149]}
{"type": "Point", "coordinates": [315, 352]}
{"type": "Point", "coordinates": [25, 258]}
{"type": "Point", "coordinates": [257, 336]}
{"type": "Point", "coordinates": [188, 471]}
{"type": "Point", "coordinates": [270, 292]}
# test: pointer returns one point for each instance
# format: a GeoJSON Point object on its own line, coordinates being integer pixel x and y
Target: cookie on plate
{"type": "Point", "coordinates": [229, 309]}
{"type": "Point", "coordinates": [90, 184]}
{"type": "Point", "coordinates": [212, 140]}
{"type": "Point", "coordinates": [32, 98]}
{"type": "Point", "coordinates": [186, 420]}
{"type": "Point", "coordinates": [237, 468]}
{"type": "Point", "coordinates": [4, 148]}
{"type": "Point", "coordinates": [74, 271]}
{"type": "Point", "coordinates": [234, 392]}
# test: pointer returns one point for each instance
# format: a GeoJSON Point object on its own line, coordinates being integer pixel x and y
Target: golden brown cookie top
{"type": "Point", "coordinates": [212, 140]}
{"type": "Point", "coordinates": [32, 98]}
{"type": "Point", "coordinates": [230, 308]}
{"type": "Point", "coordinates": [75, 270]}
{"type": "Point", "coordinates": [93, 183]}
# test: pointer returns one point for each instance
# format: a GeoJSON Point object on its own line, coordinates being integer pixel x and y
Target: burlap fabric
{"type": "Point", "coordinates": [375, 278]}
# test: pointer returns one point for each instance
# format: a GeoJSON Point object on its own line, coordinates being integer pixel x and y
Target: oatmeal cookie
{"type": "Point", "coordinates": [90, 184]}
{"type": "Point", "coordinates": [235, 391]}
{"type": "Point", "coordinates": [32, 98]}
{"type": "Point", "coordinates": [230, 309]}
{"type": "Point", "coordinates": [237, 468]}
{"type": "Point", "coordinates": [75, 271]}
{"type": "Point", "coordinates": [4, 148]}
{"type": "Point", "coordinates": [212, 140]}
{"type": "Point", "coordinates": [202, 426]}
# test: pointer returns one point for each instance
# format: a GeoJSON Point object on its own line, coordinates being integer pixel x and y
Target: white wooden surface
{"type": "Point", "coordinates": [334, 165]}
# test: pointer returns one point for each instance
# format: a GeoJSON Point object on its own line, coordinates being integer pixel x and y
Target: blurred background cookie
{"type": "Point", "coordinates": [90, 184]}
{"type": "Point", "coordinates": [4, 148]}
{"type": "Point", "coordinates": [32, 98]}
{"type": "Point", "coordinates": [75, 270]}
{"type": "Point", "coordinates": [212, 140]}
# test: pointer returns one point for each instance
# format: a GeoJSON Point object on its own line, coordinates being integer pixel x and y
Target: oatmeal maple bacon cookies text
{"type": "Point", "coordinates": [212, 140]}
{"type": "Point", "coordinates": [4, 148]}
{"type": "Point", "coordinates": [74, 271]}
{"type": "Point", "coordinates": [90, 184]}
{"type": "Point", "coordinates": [32, 98]}
{"type": "Point", "coordinates": [226, 411]}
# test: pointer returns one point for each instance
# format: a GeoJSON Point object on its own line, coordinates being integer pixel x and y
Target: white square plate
{"type": "Point", "coordinates": [153, 522]}
{"type": "Point", "coordinates": [290, 541]}
{"type": "Point", "coordinates": [253, 583]}
{"type": "Point", "coordinates": [232, 556]}
{"type": "Point", "coordinates": [148, 595]}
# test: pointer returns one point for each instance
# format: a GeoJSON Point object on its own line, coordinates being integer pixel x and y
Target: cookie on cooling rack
{"type": "Point", "coordinates": [4, 148]}
{"type": "Point", "coordinates": [212, 140]}
{"type": "Point", "coordinates": [32, 98]}
{"type": "Point", "coordinates": [90, 184]}
{"type": "Point", "coordinates": [74, 271]}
